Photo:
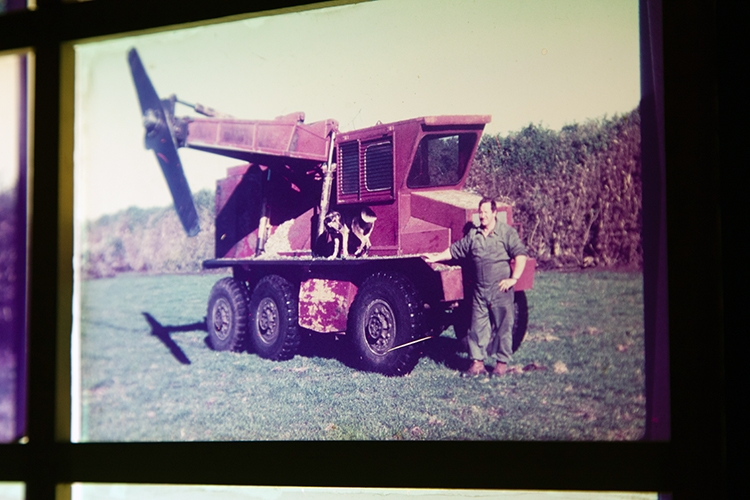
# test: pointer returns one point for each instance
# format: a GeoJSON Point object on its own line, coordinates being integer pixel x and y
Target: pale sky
{"type": "Point", "coordinates": [174, 492]}
{"type": "Point", "coordinates": [549, 62]}
{"type": "Point", "coordinates": [9, 105]}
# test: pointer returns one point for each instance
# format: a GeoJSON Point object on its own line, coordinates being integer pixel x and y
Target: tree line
{"type": "Point", "coordinates": [149, 240]}
{"type": "Point", "coordinates": [576, 192]}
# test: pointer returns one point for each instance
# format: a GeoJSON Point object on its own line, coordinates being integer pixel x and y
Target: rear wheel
{"type": "Point", "coordinates": [274, 333]}
{"type": "Point", "coordinates": [385, 315]}
{"type": "Point", "coordinates": [520, 319]}
{"type": "Point", "coordinates": [226, 321]}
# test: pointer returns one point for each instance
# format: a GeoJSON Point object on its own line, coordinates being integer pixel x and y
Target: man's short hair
{"type": "Point", "coordinates": [491, 201]}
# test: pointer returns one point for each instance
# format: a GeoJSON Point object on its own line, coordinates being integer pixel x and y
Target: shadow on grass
{"type": "Point", "coordinates": [324, 345]}
{"type": "Point", "coordinates": [163, 333]}
{"type": "Point", "coordinates": [446, 351]}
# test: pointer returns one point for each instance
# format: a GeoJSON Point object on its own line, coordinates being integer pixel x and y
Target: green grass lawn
{"type": "Point", "coordinates": [577, 376]}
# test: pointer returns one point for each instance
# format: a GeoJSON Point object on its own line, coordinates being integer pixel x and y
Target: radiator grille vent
{"type": "Point", "coordinates": [379, 166]}
{"type": "Point", "coordinates": [350, 168]}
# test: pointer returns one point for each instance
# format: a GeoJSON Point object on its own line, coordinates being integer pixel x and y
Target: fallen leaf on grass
{"type": "Point", "coordinates": [433, 420]}
{"type": "Point", "coordinates": [585, 416]}
{"type": "Point", "coordinates": [622, 435]}
{"type": "Point", "coordinates": [417, 432]}
{"type": "Point", "coordinates": [625, 416]}
{"type": "Point", "coordinates": [560, 367]}
{"type": "Point", "coordinates": [533, 367]}
{"type": "Point", "coordinates": [330, 427]}
{"type": "Point", "coordinates": [593, 330]}
{"type": "Point", "coordinates": [495, 412]}
{"type": "Point", "coordinates": [626, 345]}
{"type": "Point", "coordinates": [301, 369]}
{"type": "Point", "coordinates": [548, 337]}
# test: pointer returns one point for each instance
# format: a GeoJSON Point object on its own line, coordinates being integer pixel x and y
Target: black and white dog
{"type": "Point", "coordinates": [361, 226]}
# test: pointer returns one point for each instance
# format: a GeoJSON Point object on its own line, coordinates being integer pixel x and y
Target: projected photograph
{"type": "Point", "coordinates": [13, 80]}
{"type": "Point", "coordinates": [376, 221]}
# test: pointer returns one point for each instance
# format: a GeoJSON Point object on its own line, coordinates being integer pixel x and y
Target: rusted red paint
{"type": "Point", "coordinates": [451, 278]}
{"type": "Point", "coordinates": [419, 236]}
{"type": "Point", "coordinates": [324, 304]}
{"type": "Point", "coordinates": [405, 136]}
{"type": "Point", "coordinates": [385, 233]}
{"type": "Point", "coordinates": [243, 249]}
{"type": "Point", "coordinates": [286, 136]}
{"type": "Point", "coordinates": [226, 186]}
{"type": "Point", "coordinates": [527, 277]}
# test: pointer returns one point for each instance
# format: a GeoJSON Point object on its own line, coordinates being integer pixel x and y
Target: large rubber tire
{"type": "Point", "coordinates": [274, 332]}
{"type": "Point", "coordinates": [521, 319]}
{"type": "Point", "coordinates": [386, 313]}
{"type": "Point", "coordinates": [226, 321]}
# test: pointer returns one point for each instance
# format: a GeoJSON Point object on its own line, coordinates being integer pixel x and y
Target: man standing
{"type": "Point", "coordinates": [491, 247]}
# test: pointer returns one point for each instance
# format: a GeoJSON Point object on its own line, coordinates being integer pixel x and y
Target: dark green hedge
{"type": "Point", "coordinates": [576, 192]}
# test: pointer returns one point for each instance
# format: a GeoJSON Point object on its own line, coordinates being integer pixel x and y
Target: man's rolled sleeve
{"type": "Point", "coordinates": [515, 246]}
{"type": "Point", "coordinates": [461, 248]}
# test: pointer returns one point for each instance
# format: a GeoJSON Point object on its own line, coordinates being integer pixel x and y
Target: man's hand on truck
{"type": "Point", "coordinates": [437, 256]}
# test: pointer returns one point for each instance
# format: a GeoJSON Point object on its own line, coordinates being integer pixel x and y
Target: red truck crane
{"type": "Point", "coordinates": [323, 230]}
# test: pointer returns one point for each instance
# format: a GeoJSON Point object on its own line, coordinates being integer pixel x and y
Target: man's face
{"type": "Point", "coordinates": [486, 215]}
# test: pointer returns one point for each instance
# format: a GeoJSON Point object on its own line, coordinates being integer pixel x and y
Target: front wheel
{"type": "Point", "coordinates": [385, 315]}
{"type": "Point", "coordinates": [227, 315]}
{"type": "Point", "coordinates": [274, 333]}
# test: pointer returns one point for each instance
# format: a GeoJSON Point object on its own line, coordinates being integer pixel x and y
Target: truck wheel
{"type": "Point", "coordinates": [521, 319]}
{"type": "Point", "coordinates": [386, 313]}
{"type": "Point", "coordinates": [226, 321]}
{"type": "Point", "coordinates": [273, 318]}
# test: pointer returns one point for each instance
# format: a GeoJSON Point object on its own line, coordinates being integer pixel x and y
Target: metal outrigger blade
{"type": "Point", "coordinates": [160, 138]}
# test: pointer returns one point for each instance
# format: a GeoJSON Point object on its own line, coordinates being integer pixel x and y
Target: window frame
{"type": "Point", "coordinates": [49, 460]}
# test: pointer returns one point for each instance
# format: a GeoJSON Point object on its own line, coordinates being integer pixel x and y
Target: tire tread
{"type": "Point", "coordinates": [407, 358]}
{"type": "Point", "coordinates": [289, 308]}
{"type": "Point", "coordinates": [236, 292]}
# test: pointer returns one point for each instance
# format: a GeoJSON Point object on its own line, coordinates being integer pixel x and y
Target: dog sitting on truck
{"type": "Point", "coordinates": [338, 227]}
